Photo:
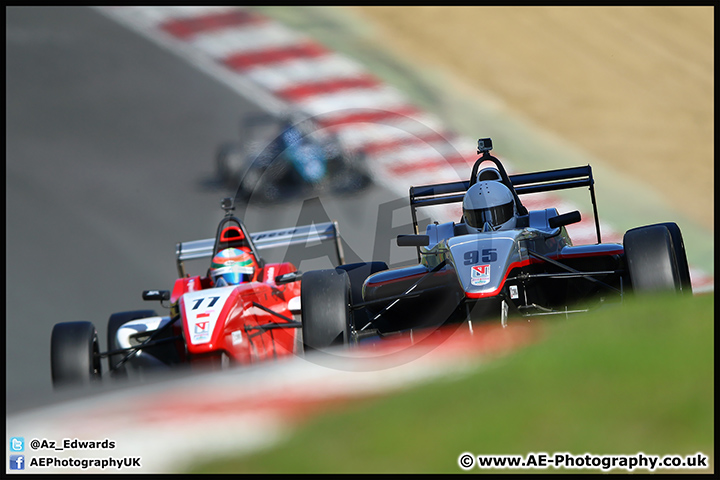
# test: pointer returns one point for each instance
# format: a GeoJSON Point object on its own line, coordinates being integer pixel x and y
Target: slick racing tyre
{"type": "Point", "coordinates": [116, 321]}
{"type": "Point", "coordinates": [325, 299]}
{"type": "Point", "coordinates": [357, 273]}
{"type": "Point", "coordinates": [680, 256]}
{"type": "Point", "coordinates": [651, 258]}
{"type": "Point", "coordinates": [74, 354]}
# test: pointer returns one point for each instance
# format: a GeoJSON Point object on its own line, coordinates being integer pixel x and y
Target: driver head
{"type": "Point", "coordinates": [489, 206]}
{"type": "Point", "coordinates": [232, 266]}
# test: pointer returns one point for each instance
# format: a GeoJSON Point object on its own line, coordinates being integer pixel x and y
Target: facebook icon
{"type": "Point", "coordinates": [17, 462]}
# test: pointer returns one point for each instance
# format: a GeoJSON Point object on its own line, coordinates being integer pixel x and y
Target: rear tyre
{"type": "Point", "coordinates": [74, 354]}
{"type": "Point", "coordinates": [651, 260]}
{"type": "Point", "coordinates": [325, 299]}
{"type": "Point", "coordinates": [116, 321]}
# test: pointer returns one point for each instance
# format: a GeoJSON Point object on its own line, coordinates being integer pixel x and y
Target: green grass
{"type": "Point", "coordinates": [634, 379]}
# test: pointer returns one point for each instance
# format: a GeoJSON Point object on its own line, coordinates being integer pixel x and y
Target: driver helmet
{"type": "Point", "coordinates": [488, 206]}
{"type": "Point", "coordinates": [232, 266]}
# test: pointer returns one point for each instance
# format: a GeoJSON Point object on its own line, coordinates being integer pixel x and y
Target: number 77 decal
{"type": "Point", "coordinates": [198, 302]}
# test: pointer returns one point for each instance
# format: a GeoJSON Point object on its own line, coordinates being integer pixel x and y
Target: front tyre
{"type": "Point", "coordinates": [680, 256]}
{"type": "Point", "coordinates": [325, 300]}
{"type": "Point", "coordinates": [652, 262]}
{"type": "Point", "coordinates": [74, 354]}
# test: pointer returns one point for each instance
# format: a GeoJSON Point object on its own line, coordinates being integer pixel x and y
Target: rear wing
{"type": "Point", "coordinates": [265, 240]}
{"type": "Point", "coordinates": [524, 183]}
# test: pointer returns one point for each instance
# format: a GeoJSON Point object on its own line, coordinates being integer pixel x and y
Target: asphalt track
{"type": "Point", "coordinates": [110, 144]}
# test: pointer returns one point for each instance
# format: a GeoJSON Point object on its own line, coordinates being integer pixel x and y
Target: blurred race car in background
{"type": "Point", "coordinates": [288, 157]}
{"type": "Point", "coordinates": [239, 313]}
{"type": "Point", "coordinates": [500, 260]}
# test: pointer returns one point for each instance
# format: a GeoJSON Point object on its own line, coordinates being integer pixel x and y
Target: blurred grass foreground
{"type": "Point", "coordinates": [639, 378]}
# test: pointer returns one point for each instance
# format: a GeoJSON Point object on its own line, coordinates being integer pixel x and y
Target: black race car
{"type": "Point", "coordinates": [288, 157]}
{"type": "Point", "coordinates": [499, 260]}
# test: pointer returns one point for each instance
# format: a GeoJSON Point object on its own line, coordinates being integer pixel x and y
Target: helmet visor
{"type": "Point", "coordinates": [231, 275]}
{"type": "Point", "coordinates": [495, 216]}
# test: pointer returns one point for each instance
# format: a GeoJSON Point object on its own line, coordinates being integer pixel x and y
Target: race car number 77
{"type": "Point", "coordinates": [213, 300]}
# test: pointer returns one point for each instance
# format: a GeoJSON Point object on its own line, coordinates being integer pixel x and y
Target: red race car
{"type": "Point", "coordinates": [241, 312]}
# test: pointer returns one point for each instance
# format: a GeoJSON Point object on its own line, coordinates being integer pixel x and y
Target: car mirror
{"type": "Point", "coordinates": [564, 219]}
{"type": "Point", "coordinates": [288, 277]}
{"type": "Point", "coordinates": [413, 240]}
{"type": "Point", "coordinates": [160, 295]}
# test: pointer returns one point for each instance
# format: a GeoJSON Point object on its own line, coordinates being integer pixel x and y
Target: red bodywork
{"type": "Point", "coordinates": [233, 315]}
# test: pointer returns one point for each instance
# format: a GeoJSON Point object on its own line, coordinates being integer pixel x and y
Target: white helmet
{"type": "Point", "coordinates": [489, 206]}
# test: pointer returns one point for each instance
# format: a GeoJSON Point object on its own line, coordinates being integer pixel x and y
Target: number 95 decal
{"type": "Point", "coordinates": [487, 255]}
